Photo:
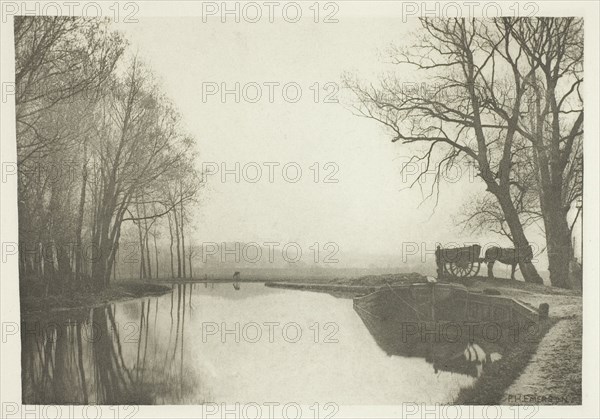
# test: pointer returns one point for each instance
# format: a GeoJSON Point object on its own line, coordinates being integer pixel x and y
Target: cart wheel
{"type": "Point", "coordinates": [462, 269]}
{"type": "Point", "coordinates": [476, 267]}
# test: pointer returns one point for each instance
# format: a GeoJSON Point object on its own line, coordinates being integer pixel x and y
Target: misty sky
{"type": "Point", "coordinates": [367, 210]}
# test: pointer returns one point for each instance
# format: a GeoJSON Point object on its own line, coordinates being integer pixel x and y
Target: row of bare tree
{"type": "Point", "coordinates": [100, 149]}
{"type": "Point", "coordinates": [504, 95]}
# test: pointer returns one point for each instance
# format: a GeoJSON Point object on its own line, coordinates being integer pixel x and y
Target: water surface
{"type": "Point", "coordinates": [212, 343]}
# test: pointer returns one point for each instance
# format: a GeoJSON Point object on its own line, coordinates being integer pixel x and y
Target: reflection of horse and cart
{"type": "Point", "coordinates": [462, 262]}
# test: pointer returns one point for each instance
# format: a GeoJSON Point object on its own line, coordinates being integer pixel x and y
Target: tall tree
{"type": "Point", "coordinates": [137, 145]}
{"type": "Point", "coordinates": [59, 64]}
{"type": "Point", "coordinates": [553, 48]}
{"type": "Point", "coordinates": [452, 116]}
{"type": "Point", "coordinates": [98, 144]}
{"type": "Point", "coordinates": [505, 96]}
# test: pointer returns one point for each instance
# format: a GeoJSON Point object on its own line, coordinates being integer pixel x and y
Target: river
{"type": "Point", "coordinates": [207, 342]}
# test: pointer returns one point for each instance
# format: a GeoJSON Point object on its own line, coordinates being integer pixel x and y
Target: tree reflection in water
{"type": "Point", "coordinates": [86, 356]}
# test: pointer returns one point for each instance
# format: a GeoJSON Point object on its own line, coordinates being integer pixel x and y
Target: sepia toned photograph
{"type": "Point", "coordinates": [299, 209]}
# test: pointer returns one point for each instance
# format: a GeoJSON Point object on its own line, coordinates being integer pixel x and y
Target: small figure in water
{"type": "Point", "coordinates": [236, 281]}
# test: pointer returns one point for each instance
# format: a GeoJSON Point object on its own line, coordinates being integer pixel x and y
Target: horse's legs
{"type": "Point", "coordinates": [490, 266]}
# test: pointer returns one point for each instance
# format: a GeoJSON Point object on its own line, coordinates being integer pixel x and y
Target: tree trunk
{"type": "Point", "coordinates": [178, 244]}
{"type": "Point", "coordinates": [148, 262]}
{"type": "Point", "coordinates": [155, 251]}
{"type": "Point", "coordinates": [105, 237]}
{"type": "Point", "coordinates": [502, 190]}
{"type": "Point", "coordinates": [142, 273]}
{"type": "Point", "coordinates": [63, 262]}
{"type": "Point", "coordinates": [171, 245]}
{"type": "Point", "coordinates": [182, 240]}
{"type": "Point", "coordinates": [552, 154]}
{"type": "Point", "coordinates": [99, 257]}
{"type": "Point", "coordinates": [528, 270]}
{"type": "Point", "coordinates": [141, 239]}
{"type": "Point", "coordinates": [58, 238]}
{"type": "Point", "coordinates": [558, 242]}
{"type": "Point", "coordinates": [79, 241]}
{"type": "Point", "coordinates": [114, 248]}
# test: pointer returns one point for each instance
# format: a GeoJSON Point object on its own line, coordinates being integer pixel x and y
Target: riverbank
{"type": "Point", "coordinates": [350, 287]}
{"type": "Point", "coordinates": [86, 298]}
{"type": "Point", "coordinates": [545, 370]}
{"type": "Point", "coordinates": [542, 369]}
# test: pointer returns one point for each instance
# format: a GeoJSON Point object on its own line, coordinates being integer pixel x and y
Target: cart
{"type": "Point", "coordinates": [460, 262]}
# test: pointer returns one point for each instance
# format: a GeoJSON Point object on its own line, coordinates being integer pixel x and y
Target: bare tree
{"type": "Point", "coordinates": [56, 60]}
{"type": "Point", "coordinates": [193, 253]}
{"type": "Point", "coordinates": [506, 98]}
{"type": "Point", "coordinates": [59, 65]}
{"type": "Point", "coordinates": [137, 146]}
{"type": "Point", "coordinates": [453, 118]}
{"type": "Point", "coordinates": [553, 70]}
{"type": "Point", "coordinates": [483, 213]}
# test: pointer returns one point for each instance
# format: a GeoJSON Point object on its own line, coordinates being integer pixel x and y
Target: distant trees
{"type": "Point", "coordinates": [98, 145]}
{"type": "Point", "coordinates": [505, 97]}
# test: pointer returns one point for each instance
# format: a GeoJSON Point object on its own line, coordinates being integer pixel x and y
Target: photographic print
{"type": "Point", "coordinates": [299, 209]}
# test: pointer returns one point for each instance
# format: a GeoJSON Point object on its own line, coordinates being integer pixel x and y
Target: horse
{"type": "Point", "coordinates": [507, 256]}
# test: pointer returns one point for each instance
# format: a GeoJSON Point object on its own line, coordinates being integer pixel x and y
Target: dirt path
{"type": "Point", "coordinates": [553, 375]}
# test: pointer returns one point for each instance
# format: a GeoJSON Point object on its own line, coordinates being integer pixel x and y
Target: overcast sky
{"type": "Point", "coordinates": [367, 210]}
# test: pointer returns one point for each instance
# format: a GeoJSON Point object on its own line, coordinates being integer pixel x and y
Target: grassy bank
{"type": "Point", "coordinates": [33, 302]}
